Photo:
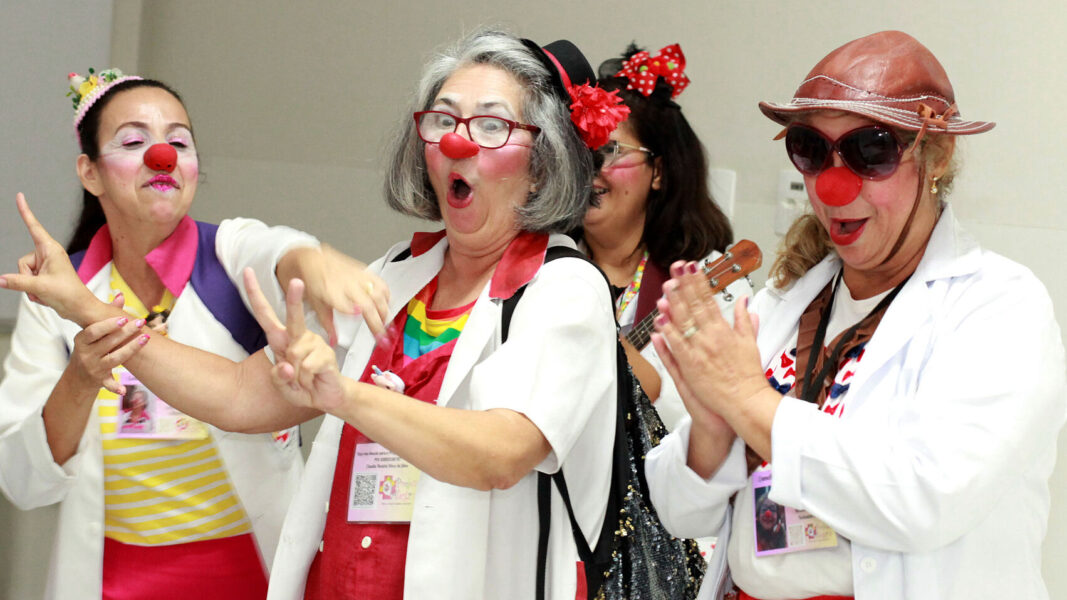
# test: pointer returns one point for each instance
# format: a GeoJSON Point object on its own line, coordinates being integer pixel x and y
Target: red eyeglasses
{"type": "Point", "coordinates": [872, 152]}
{"type": "Point", "coordinates": [485, 130]}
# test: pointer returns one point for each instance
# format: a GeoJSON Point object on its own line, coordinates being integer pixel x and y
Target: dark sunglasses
{"type": "Point", "coordinates": [872, 151]}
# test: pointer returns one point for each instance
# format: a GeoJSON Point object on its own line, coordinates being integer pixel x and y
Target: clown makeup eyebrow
{"type": "Point", "coordinates": [175, 132]}
{"type": "Point", "coordinates": [484, 107]}
{"type": "Point", "coordinates": [170, 126]}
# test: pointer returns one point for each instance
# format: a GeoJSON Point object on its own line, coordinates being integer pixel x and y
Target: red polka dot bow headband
{"type": "Point", "coordinates": [642, 69]}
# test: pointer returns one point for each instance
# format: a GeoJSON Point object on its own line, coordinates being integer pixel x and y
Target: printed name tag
{"type": "Point", "coordinates": [144, 415]}
{"type": "Point", "coordinates": [383, 486]}
{"type": "Point", "coordinates": [781, 529]}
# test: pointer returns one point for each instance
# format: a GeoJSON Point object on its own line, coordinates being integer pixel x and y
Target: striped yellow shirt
{"type": "Point", "coordinates": [159, 491]}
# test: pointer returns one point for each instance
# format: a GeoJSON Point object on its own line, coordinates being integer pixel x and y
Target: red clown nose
{"type": "Point", "coordinates": [161, 157]}
{"type": "Point", "coordinates": [457, 147]}
{"type": "Point", "coordinates": [837, 186]}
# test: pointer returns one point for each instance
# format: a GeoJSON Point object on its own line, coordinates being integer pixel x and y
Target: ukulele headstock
{"type": "Point", "coordinates": [739, 260]}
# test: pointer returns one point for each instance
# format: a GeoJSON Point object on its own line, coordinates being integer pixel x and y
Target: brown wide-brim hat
{"type": "Point", "coordinates": [888, 77]}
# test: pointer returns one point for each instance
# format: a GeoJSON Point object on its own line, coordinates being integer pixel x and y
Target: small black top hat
{"type": "Point", "coordinates": [565, 63]}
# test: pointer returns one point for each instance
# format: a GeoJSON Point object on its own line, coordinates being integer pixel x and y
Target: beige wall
{"type": "Point", "coordinates": [292, 103]}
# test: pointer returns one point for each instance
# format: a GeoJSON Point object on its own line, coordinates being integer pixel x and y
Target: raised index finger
{"type": "Point", "coordinates": [294, 309]}
{"type": "Point", "coordinates": [261, 309]}
{"type": "Point", "coordinates": [37, 231]}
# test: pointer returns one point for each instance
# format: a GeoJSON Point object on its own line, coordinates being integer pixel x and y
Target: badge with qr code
{"type": "Point", "coordinates": [781, 529]}
{"type": "Point", "coordinates": [383, 486]}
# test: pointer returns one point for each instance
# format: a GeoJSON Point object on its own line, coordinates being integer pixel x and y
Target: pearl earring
{"type": "Point", "coordinates": [933, 186]}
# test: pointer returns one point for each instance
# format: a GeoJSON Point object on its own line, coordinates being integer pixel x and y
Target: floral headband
{"type": "Point", "coordinates": [642, 69]}
{"type": "Point", "coordinates": [85, 91]}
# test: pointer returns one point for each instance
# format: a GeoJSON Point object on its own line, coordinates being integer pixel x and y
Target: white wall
{"type": "Point", "coordinates": [292, 103]}
{"type": "Point", "coordinates": [40, 43]}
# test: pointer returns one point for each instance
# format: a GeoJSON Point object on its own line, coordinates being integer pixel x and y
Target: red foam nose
{"type": "Point", "coordinates": [837, 186]}
{"type": "Point", "coordinates": [456, 146]}
{"type": "Point", "coordinates": [161, 157]}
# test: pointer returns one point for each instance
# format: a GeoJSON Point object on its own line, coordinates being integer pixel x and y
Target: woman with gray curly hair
{"type": "Point", "coordinates": [422, 480]}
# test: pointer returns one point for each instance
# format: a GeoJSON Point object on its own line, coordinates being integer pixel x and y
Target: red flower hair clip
{"type": "Point", "coordinates": [596, 113]}
{"type": "Point", "coordinates": [642, 69]}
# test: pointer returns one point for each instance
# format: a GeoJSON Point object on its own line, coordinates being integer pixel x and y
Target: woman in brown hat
{"type": "Point", "coordinates": [916, 381]}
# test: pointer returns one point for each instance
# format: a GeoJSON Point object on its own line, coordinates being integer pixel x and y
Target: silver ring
{"type": "Point", "coordinates": [690, 331]}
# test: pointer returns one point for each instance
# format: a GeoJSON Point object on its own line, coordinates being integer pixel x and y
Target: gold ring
{"type": "Point", "coordinates": [370, 287]}
{"type": "Point", "coordinates": [690, 331]}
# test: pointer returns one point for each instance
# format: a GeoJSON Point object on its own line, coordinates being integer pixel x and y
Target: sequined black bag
{"type": "Point", "coordinates": [634, 558]}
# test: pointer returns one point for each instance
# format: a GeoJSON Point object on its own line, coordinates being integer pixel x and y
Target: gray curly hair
{"type": "Point", "coordinates": [561, 166]}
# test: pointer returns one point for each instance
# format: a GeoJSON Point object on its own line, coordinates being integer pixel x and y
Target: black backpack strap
{"type": "Point", "coordinates": [544, 511]}
{"type": "Point", "coordinates": [544, 482]}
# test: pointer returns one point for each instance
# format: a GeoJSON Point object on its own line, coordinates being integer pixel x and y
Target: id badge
{"type": "Point", "coordinates": [382, 489]}
{"type": "Point", "coordinates": [780, 529]}
{"type": "Point", "coordinates": [143, 415]}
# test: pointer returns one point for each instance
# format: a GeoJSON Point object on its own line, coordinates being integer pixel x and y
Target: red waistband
{"type": "Point", "coordinates": [220, 569]}
{"type": "Point", "coordinates": [741, 595]}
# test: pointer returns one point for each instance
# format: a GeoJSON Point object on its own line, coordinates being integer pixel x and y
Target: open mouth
{"type": "Point", "coordinates": [844, 232]}
{"type": "Point", "coordinates": [595, 194]}
{"type": "Point", "coordinates": [162, 183]}
{"type": "Point", "coordinates": [460, 193]}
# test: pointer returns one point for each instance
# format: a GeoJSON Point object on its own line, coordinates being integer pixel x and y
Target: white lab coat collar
{"type": "Point", "coordinates": [951, 252]}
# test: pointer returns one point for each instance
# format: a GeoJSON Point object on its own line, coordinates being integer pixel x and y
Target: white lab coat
{"type": "Point", "coordinates": [264, 473]}
{"type": "Point", "coordinates": [938, 470]}
{"type": "Point", "coordinates": [558, 369]}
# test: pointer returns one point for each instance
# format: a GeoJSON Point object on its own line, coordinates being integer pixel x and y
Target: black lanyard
{"type": "Point", "coordinates": [811, 392]}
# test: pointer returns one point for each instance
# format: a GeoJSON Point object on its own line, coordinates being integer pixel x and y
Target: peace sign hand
{"type": "Point", "coordinates": [305, 370]}
{"type": "Point", "coordinates": [46, 274]}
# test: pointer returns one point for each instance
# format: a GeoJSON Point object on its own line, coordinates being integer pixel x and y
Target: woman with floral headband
{"type": "Point", "coordinates": [651, 206]}
{"type": "Point", "coordinates": [426, 486]}
{"type": "Point", "coordinates": [146, 511]}
{"type": "Point", "coordinates": [917, 382]}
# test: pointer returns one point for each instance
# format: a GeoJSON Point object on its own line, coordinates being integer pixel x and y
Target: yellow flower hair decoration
{"type": "Point", "coordinates": [85, 91]}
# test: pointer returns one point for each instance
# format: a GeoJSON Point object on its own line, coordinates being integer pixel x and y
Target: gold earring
{"type": "Point", "coordinates": [933, 186]}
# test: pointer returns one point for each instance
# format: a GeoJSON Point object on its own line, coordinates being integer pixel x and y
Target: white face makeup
{"type": "Point", "coordinates": [134, 195]}
{"type": "Point", "coordinates": [134, 138]}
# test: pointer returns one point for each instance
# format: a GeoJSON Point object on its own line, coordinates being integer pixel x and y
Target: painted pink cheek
{"type": "Point", "coordinates": [190, 170]}
{"type": "Point", "coordinates": [123, 165]}
{"type": "Point", "coordinates": [506, 161]}
{"type": "Point", "coordinates": [621, 176]}
{"type": "Point", "coordinates": [434, 158]}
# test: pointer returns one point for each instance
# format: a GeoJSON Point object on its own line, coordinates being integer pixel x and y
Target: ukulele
{"type": "Point", "coordinates": [739, 260]}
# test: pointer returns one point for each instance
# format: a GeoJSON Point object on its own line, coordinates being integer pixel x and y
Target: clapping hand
{"type": "Point", "coordinates": [713, 364]}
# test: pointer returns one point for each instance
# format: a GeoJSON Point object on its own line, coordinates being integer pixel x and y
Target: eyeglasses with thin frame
{"type": "Point", "coordinates": [872, 151]}
{"type": "Point", "coordinates": [610, 153]}
{"type": "Point", "coordinates": [487, 131]}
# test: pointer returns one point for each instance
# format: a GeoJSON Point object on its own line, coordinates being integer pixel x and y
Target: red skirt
{"type": "Point", "coordinates": [223, 569]}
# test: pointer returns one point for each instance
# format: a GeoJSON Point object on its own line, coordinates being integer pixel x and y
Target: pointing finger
{"type": "Point", "coordinates": [261, 309]}
{"type": "Point", "coordinates": [38, 233]}
{"type": "Point", "coordinates": [294, 309]}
